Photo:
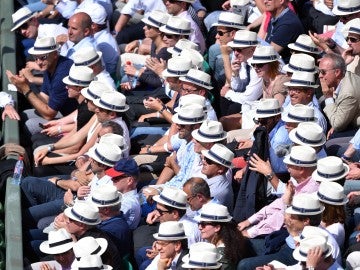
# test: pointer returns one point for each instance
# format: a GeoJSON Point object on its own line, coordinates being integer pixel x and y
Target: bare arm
{"type": "Point", "coordinates": [122, 21]}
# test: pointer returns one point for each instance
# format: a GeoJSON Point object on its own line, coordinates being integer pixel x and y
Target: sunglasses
{"type": "Point", "coordinates": [22, 27]}
{"type": "Point", "coordinates": [221, 33]}
{"type": "Point", "coordinates": [172, 1]}
{"type": "Point", "coordinates": [209, 161]}
{"type": "Point", "coordinates": [162, 212]}
{"type": "Point", "coordinates": [352, 39]}
{"type": "Point", "coordinates": [258, 65]}
{"type": "Point", "coordinates": [169, 36]}
{"type": "Point", "coordinates": [41, 58]}
{"type": "Point", "coordinates": [203, 224]}
{"type": "Point", "coordinates": [149, 27]}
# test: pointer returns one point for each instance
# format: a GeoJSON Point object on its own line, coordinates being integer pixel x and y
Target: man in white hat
{"type": "Point", "coordinates": [352, 54]}
{"type": "Point", "coordinates": [53, 97]}
{"type": "Point", "coordinates": [341, 96]}
{"type": "Point", "coordinates": [305, 210]}
{"type": "Point", "coordinates": [171, 244]}
{"type": "Point", "coordinates": [301, 163]}
{"type": "Point", "coordinates": [181, 9]}
{"type": "Point", "coordinates": [104, 40]}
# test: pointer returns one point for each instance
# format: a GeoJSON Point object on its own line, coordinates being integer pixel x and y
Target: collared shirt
{"type": "Point", "coordinates": [106, 43]}
{"type": "Point", "coordinates": [51, 30]}
{"type": "Point", "coordinates": [130, 206]}
{"type": "Point", "coordinates": [221, 189]}
{"type": "Point", "coordinates": [154, 263]}
{"type": "Point", "coordinates": [5, 99]}
{"type": "Point", "coordinates": [84, 43]}
{"type": "Point", "coordinates": [125, 134]}
{"type": "Point", "coordinates": [331, 100]}
{"type": "Point", "coordinates": [132, 6]}
{"type": "Point", "coordinates": [105, 77]}
{"type": "Point", "coordinates": [191, 229]}
{"type": "Point", "coordinates": [271, 217]}
{"type": "Point", "coordinates": [355, 141]}
{"type": "Point", "coordinates": [253, 87]}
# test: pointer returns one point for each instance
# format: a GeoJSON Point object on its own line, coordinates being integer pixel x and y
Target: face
{"type": "Point", "coordinates": [261, 69]}
{"type": "Point", "coordinates": [29, 29]}
{"type": "Point", "coordinates": [151, 32]}
{"type": "Point", "coordinates": [167, 249]}
{"type": "Point", "coordinates": [328, 74]}
{"type": "Point", "coordinates": [173, 7]}
{"type": "Point", "coordinates": [208, 230]}
{"type": "Point", "coordinates": [290, 126]}
{"type": "Point", "coordinates": [102, 114]}
{"type": "Point", "coordinates": [121, 183]}
{"type": "Point", "coordinates": [174, 83]}
{"type": "Point", "coordinates": [90, 105]}
{"type": "Point", "coordinates": [210, 168]}
{"type": "Point", "coordinates": [346, 18]}
{"type": "Point", "coordinates": [353, 40]}
{"type": "Point", "coordinates": [75, 30]}
{"type": "Point", "coordinates": [243, 54]}
{"type": "Point", "coordinates": [190, 88]}
{"type": "Point", "coordinates": [295, 171]}
{"type": "Point", "coordinates": [293, 224]}
{"type": "Point", "coordinates": [185, 131]}
{"type": "Point", "coordinates": [163, 213]}
{"type": "Point", "coordinates": [198, 146]}
{"type": "Point", "coordinates": [65, 259]}
{"type": "Point", "coordinates": [192, 200]}
{"type": "Point", "coordinates": [72, 226]}
{"type": "Point", "coordinates": [45, 61]}
{"type": "Point", "coordinates": [170, 39]}
{"type": "Point", "coordinates": [96, 166]}
{"type": "Point", "coordinates": [272, 5]}
{"type": "Point", "coordinates": [224, 35]}
{"type": "Point", "coordinates": [300, 95]}
{"type": "Point", "coordinates": [268, 122]}
{"type": "Point", "coordinates": [73, 90]}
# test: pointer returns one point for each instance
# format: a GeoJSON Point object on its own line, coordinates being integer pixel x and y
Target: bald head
{"type": "Point", "coordinates": [79, 27]}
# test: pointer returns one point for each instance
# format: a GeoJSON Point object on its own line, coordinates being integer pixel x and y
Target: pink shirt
{"type": "Point", "coordinates": [271, 217]}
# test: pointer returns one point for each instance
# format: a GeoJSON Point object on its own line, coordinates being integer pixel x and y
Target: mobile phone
{"type": "Point", "coordinates": [41, 125]}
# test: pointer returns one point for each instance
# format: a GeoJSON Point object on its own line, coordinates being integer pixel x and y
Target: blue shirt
{"type": "Point", "coordinates": [54, 87]}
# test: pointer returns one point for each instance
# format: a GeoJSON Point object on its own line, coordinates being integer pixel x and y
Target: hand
{"type": "Point", "coordinates": [225, 50]}
{"type": "Point", "coordinates": [289, 193]}
{"type": "Point", "coordinates": [21, 83]}
{"type": "Point", "coordinates": [245, 144]}
{"type": "Point", "coordinates": [329, 3]}
{"type": "Point", "coordinates": [149, 193]}
{"type": "Point", "coordinates": [68, 197]}
{"type": "Point", "coordinates": [153, 104]}
{"type": "Point", "coordinates": [239, 175]}
{"type": "Point", "coordinates": [32, 65]}
{"type": "Point", "coordinates": [51, 131]}
{"type": "Point", "coordinates": [259, 165]}
{"type": "Point", "coordinates": [171, 161]}
{"type": "Point", "coordinates": [319, 40]}
{"type": "Point", "coordinates": [348, 55]}
{"type": "Point", "coordinates": [265, 267]}
{"type": "Point", "coordinates": [354, 197]}
{"type": "Point", "coordinates": [156, 65]}
{"type": "Point", "coordinates": [354, 172]}
{"type": "Point", "coordinates": [83, 191]}
{"type": "Point", "coordinates": [126, 86]}
{"type": "Point", "coordinates": [314, 257]}
{"type": "Point", "coordinates": [235, 66]}
{"type": "Point", "coordinates": [26, 72]}
{"type": "Point", "coordinates": [59, 221]}
{"type": "Point", "coordinates": [61, 39]}
{"type": "Point", "coordinates": [327, 91]}
{"type": "Point", "coordinates": [151, 253]}
{"type": "Point", "coordinates": [129, 69]}
{"type": "Point", "coordinates": [83, 177]}
{"type": "Point", "coordinates": [224, 90]}
{"type": "Point", "coordinates": [144, 150]}
{"type": "Point", "coordinates": [130, 47]}
{"type": "Point", "coordinates": [81, 160]}
{"type": "Point", "coordinates": [152, 217]}
{"type": "Point", "coordinates": [243, 225]}
{"type": "Point", "coordinates": [53, 180]}
{"type": "Point", "coordinates": [330, 132]}
{"type": "Point", "coordinates": [40, 155]}
{"type": "Point", "coordinates": [226, 5]}
{"type": "Point", "coordinates": [10, 111]}
{"type": "Point", "coordinates": [46, 266]}
{"type": "Point", "coordinates": [164, 263]}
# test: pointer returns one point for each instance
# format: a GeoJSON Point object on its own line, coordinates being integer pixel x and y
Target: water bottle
{"type": "Point", "coordinates": [132, 79]}
{"type": "Point", "coordinates": [19, 166]}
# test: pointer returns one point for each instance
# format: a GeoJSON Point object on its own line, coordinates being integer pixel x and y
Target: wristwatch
{"type": "Point", "coordinates": [269, 176]}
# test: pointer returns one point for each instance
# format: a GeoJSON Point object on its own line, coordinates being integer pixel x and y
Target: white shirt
{"type": "Point", "coordinates": [132, 6]}
{"type": "Point", "coordinates": [154, 263]}
{"type": "Point", "coordinates": [51, 30]}
{"type": "Point", "coordinates": [5, 99]}
{"type": "Point", "coordinates": [191, 229]}
{"type": "Point", "coordinates": [130, 206]}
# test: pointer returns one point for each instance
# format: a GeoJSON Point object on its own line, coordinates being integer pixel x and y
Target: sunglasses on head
{"type": "Point", "coordinates": [221, 33]}
{"type": "Point", "coordinates": [352, 39]}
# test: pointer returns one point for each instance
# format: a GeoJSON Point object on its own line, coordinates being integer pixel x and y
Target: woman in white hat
{"type": "Point", "coordinates": [218, 228]}
{"type": "Point", "coordinates": [331, 195]}
{"type": "Point", "coordinates": [265, 61]}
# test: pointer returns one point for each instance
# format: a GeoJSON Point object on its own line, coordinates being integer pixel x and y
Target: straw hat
{"type": "Point", "coordinates": [96, 12]}
{"type": "Point", "coordinates": [105, 153]}
{"type": "Point", "coordinates": [89, 246]}
{"type": "Point", "coordinates": [113, 101]}
{"type": "Point", "coordinates": [300, 253]}
{"type": "Point", "coordinates": [308, 133]}
{"type": "Point", "coordinates": [243, 39]}
{"type": "Point", "coordinates": [268, 107]}
{"type": "Point", "coordinates": [346, 7]}
{"type": "Point", "coordinates": [301, 62]}
{"type": "Point", "coordinates": [177, 66]}
{"type": "Point", "coordinates": [79, 76]}
{"type": "Point", "coordinates": [299, 113]}
{"type": "Point", "coordinates": [213, 212]}
{"type": "Point", "coordinates": [182, 44]}
{"type": "Point", "coordinates": [114, 139]}
{"type": "Point", "coordinates": [332, 193]}
{"type": "Point", "coordinates": [86, 56]}
{"type": "Point", "coordinates": [191, 99]}
{"type": "Point", "coordinates": [21, 16]}
{"type": "Point", "coordinates": [96, 89]}
{"type": "Point", "coordinates": [199, 78]}
{"type": "Point", "coordinates": [302, 156]}
{"type": "Point", "coordinates": [302, 79]}
{"type": "Point", "coordinates": [209, 131]}
{"type": "Point", "coordinates": [90, 262]}
{"type": "Point", "coordinates": [230, 19]}
{"type": "Point", "coordinates": [172, 197]}
{"type": "Point", "coordinates": [220, 154]}
{"type": "Point", "coordinates": [157, 18]}
{"type": "Point", "coordinates": [202, 255]}
{"type": "Point", "coordinates": [306, 205]}
{"type": "Point", "coordinates": [177, 26]}
{"type": "Point", "coordinates": [264, 54]}
{"type": "Point", "coordinates": [189, 115]}
{"type": "Point", "coordinates": [194, 55]}
{"type": "Point", "coordinates": [330, 169]}
{"type": "Point", "coordinates": [304, 43]}
{"type": "Point", "coordinates": [311, 231]}
{"type": "Point", "coordinates": [44, 45]}
{"type": "Point", "coordinates": [84, 212]}
{"type": "Point", "coordinates": [352, 26]}
{"type": "Point", "coordinates": [58, 242]}
{"type": "Point", "coordinates": [170, 231]}
{"type": "Point", "coordinates": [105, 196]}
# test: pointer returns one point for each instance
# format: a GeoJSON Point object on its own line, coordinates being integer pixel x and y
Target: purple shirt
{"type": "Point", "coordinates": [271, 217]}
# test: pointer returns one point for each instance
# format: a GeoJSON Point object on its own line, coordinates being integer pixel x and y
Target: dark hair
{"type": "Point", "coordinates": [198, 186]}
{"type": "Point", "coordinates": [333, 214]}
{"type": "Point", "coordinates": [235, 243]}
{"type": "Point", "coordinates": [115, 127]}
{"type": "Point", "coordinates": [314, 220]}
{"type": "Point", "coordinates": [181, 212]}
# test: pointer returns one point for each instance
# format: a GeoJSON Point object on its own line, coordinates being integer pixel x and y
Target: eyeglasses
{"type": "Point", "coordinates": [190, 198]}
{"type": "Point", "coordinates": [238, 50]}
{"type": "Point", "coordinates": [324, 71]}
{"type": "Point", "coordinates": [352, 39]}
{"type": "Point", "coordinates": [41, 57]}
{"type": "Point", "coordinates": [189, 91]}
{"type": "Point", "coordinates": [258, 65]}
{"type": "Point", "coordinates": [162, 212]}
{"type": "Point", "coordinates": [208, 161]}
{"type": "Point", "coordinates": [172, 1]}
{"type": "Point", "coordinates": [203, 224]}
{"type": "Point", "coordinates": [149, 27]}
{"type": "Point", "coordinates": [169, 36]}
{"type": "Point", "coordinates": [221, 33]}
{"type": "Point", "coordinates": [297, 90]}
{"type": "Point", "coordinates": [22, 27]}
